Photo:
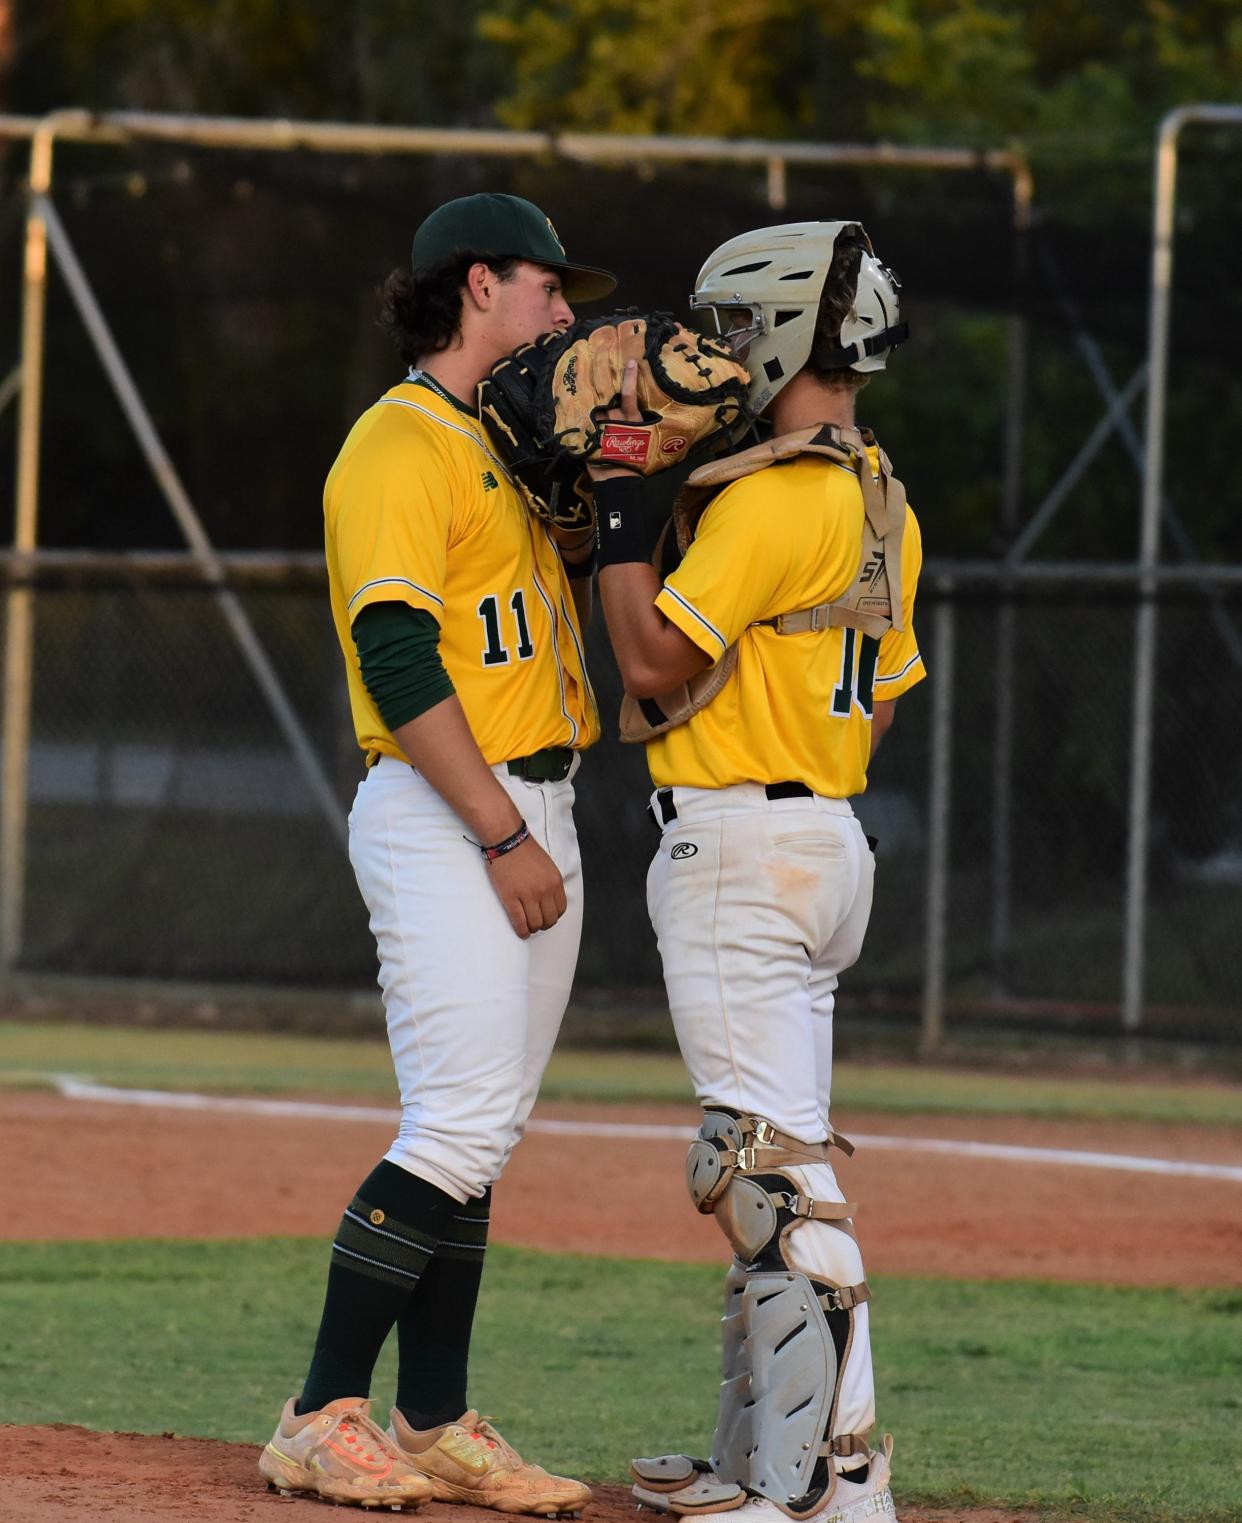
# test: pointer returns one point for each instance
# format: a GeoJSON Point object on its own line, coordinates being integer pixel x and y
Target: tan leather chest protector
{"type": "Point", "coordinates": [872, 602]}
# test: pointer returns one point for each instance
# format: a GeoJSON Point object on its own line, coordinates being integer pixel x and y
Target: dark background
{"type": "Point", "coordinates": [241, 290]}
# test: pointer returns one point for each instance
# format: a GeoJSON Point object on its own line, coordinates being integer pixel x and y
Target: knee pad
{"type": "Point", "coordinates": [737, 1171]}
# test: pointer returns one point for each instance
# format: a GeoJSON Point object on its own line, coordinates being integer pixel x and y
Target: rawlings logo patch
{"type": "Point", "coordinates": [627, 446]}
{"type": "Point", "coordinates": [673, 446]}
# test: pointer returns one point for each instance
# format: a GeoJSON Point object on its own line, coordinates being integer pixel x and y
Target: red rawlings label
{"type": "Point", "coordinates": [673, 446]}
{"type": "Point", "coordinates": [622, 445]}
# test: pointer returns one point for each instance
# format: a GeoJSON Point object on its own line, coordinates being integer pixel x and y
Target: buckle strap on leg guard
{"type": "Point", "coordinates": [766, 1135]}
{"type": "Point", "coordinates": [729, 1145]}
{"type": "Point", "coordinates": [845, 1297]}
{"type": "Point", "coordinates": [810, 1209]}
{"type": "Point", "coordinates": [844, 1445]}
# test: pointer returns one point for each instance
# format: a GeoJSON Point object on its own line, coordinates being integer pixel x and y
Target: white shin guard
{"type": "Point", "coordinates": [796, 1384]}
{"type": "Point", "coordinates": [780, 1373]}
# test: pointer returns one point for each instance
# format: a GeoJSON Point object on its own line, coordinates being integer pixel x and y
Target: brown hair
{"type": "Point", "coordinates": [422, 313]}
{"type": "Point", "coordinates": [840, 288]}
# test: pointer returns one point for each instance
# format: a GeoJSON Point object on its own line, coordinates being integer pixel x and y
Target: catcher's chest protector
{"type": "Point", "coordinates": [872, 603]}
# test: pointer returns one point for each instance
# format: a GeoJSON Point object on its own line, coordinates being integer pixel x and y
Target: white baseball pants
{"type": "Point", "coordinates": [473, 1010]}
{"type": "Point", "coordinates": [758, 905]}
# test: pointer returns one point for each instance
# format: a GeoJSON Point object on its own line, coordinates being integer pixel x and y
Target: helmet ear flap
{"type": "Point", "coordinates": [780, 273]}
{"type": "Point", "coordinates": [872, 327]}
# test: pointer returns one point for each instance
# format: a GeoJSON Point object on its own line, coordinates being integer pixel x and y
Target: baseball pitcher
{"type": "Point", "coordinates": [457, 612]}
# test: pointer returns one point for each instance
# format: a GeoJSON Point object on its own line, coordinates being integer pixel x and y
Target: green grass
{"type": "Point", "coordinates": [243, 1062]}
{"type": "Point", "coordinates": [1112, 1404]}
{"type": "Point", "coordinates": [236, 1062]}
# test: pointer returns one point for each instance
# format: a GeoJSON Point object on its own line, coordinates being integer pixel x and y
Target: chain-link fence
{"type": "Point", "coordinates": [174, 832]}
{"type": "Point", "coordinates": [172, 835]}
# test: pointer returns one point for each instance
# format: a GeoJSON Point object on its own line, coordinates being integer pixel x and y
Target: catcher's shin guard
{"type": "Point", "coordinates": [787, 1333]}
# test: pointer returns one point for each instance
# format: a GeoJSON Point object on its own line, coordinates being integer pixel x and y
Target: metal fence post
{"type": "Point", "coordinates": [1002, 788]}
{"type": "Point", "coordinates": [1006, 630]}
{"type": "Point", "coordinates": [940, 802]}
{"type": "Point", "coordinates": [1134, 956]}
{"type": "Point", "coordinates": [19, 617]}
{"type": "Point", "coordinates": [1134, 950]}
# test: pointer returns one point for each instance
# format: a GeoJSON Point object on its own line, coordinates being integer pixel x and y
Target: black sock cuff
{"type": "Point", "coordinates": [465, 1234]}
{"type": "Point", "coordinates": [393, 1226]}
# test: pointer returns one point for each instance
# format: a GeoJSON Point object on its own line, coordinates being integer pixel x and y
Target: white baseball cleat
{"type": "Point", "coordinates": [868, 1501]}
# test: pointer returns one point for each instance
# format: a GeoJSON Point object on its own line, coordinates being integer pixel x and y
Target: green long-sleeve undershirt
{"type": "Point", "coordinates": [399, 653]}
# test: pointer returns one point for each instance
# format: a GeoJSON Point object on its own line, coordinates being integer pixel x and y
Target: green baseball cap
{"type": "Point", "coordinates": [508, 226]}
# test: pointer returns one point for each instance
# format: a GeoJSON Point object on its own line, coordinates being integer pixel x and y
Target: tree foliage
{"type": "Point", "coordinates": [1054, 74]}
{"type": "Point", "coordinates": [411, 61]}
{"type": "Point", "coordinates": [1057, 75]}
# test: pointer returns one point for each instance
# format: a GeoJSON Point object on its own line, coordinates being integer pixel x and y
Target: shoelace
{"type": "Point", "coordinates": [486, 1431]}
{"type": "Point", "coordinates": [353, 1433]}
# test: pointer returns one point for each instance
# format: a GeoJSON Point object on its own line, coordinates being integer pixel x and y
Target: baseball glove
{"type": "Point", "coordinates": [545, 405]}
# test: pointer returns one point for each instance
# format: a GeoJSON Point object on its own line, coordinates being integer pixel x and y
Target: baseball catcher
{"type": "Point", "coordinates": [546, 406]}
{"type": "Point", "coordinates": [765, 665]}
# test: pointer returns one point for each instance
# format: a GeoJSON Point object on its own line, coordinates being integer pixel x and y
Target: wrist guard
{"type": "Point", "coordinates": [623, 533]}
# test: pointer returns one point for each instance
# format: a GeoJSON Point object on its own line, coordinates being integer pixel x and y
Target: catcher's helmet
{"type": "Point", "coordinates": [763, 289]}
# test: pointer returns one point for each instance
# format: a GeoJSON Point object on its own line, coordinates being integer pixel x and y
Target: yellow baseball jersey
{"type": "Point", "coordinates": [418, 509]}
{"type": "Point", "coordinates": [798, 707]}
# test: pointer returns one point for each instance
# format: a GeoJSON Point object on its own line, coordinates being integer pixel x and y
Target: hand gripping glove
{"type": "Point", "coordinates": [545, 405]}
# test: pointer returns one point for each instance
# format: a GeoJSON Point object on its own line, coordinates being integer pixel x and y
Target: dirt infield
{"type": "Point", "coordinates": [919, 1212]}
{"type": "Point", "coordinates": [64, 1472]}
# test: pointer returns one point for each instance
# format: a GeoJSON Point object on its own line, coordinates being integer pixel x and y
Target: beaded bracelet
{"type": "Point", "coordinates": [510, 843]}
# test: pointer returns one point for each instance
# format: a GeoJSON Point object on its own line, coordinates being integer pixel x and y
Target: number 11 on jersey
{"type": "Point", "coordinates": [495, 651]}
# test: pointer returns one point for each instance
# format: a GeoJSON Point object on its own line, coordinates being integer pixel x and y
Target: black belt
{"type": "Point", "coordinates": [668, 810]}
{"type": "Point", "coordinates": [551, 765]}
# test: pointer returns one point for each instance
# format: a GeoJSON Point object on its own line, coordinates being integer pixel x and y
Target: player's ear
{"type": "Point", "coordinates": [481, 284]}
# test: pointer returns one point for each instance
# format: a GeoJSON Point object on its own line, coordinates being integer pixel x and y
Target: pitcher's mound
{"type": "Point", "coordinates": [65, 1473]}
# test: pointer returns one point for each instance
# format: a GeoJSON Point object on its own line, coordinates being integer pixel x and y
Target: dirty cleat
{"type": "Point", "coordinates": [469, 1462]}
{"type": "Point", "coordinates": [340, 1454]}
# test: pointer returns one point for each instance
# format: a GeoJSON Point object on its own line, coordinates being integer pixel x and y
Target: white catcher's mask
{"type": "Point", "coordinates": [763, 289]}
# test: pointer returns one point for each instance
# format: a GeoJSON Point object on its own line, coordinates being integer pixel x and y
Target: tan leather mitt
{"type": "Point", "coordinates": [545, 405]}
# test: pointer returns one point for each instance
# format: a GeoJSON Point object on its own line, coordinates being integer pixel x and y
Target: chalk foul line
{"type": "Point", "coordinates": [73, 1088]}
